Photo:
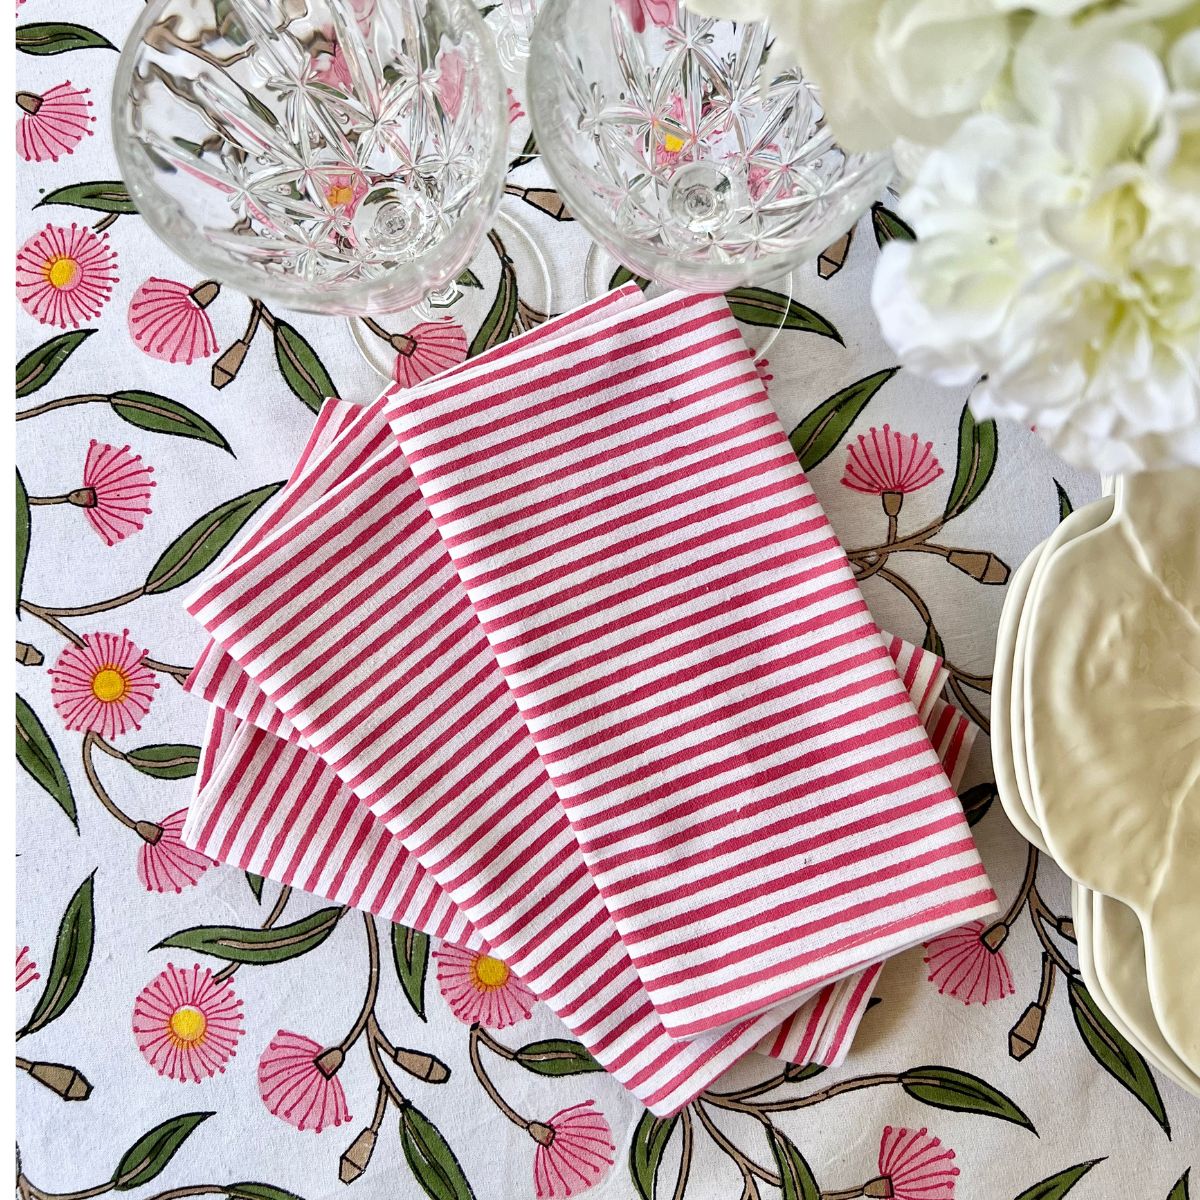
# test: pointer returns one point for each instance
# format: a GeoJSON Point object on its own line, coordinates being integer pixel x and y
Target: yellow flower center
{"type": "Point", "coordinates": [188, 1025]}
{"type": "Point", "coordinates": [61, 271]}
{"type": "Point", "coordinates": [672, 144]}
{"type": "Point", "coordinates": [109, 684]}
{"type": "Point", "coordinates": [491, 973]}
{"type": "Point", "coordinates": [339, 195]}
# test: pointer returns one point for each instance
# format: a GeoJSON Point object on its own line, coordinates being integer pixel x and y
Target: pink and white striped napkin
{"type": "Point", "coordinates": [267, 806]}
{"type": "Point", "coordinates": [309, 533]}
{"type": "Point", "coordinates": [751, 787]}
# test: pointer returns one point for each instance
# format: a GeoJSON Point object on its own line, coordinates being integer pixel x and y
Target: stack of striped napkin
{"type": "Point", "coordinates": [556, 656]}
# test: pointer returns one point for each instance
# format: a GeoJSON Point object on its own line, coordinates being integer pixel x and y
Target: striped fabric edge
{"type": "Point", "coordinates": [344, 436]}
{"type": "Point", "coordinates": [699, 978]}
{"type": "Point", "coordinates": [953, 734]}
{"type": "Point", "coordinates": [216, 678]}
{"type": "Point", "coordinates": [309, 832]}
{"type": "Point", "coordinates": [824, 1028]}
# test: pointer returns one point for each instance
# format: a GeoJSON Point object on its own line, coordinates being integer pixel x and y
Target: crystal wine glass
{"type": "Point", "coordinates": [682, 147]}
{"type": "Point", "coordinates": [338, 156]}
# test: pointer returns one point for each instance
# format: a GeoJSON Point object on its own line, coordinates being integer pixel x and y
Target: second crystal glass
{"type": "Point", "coordinates": [683, 149]}
{"type": "Point", "coordinates": [340, 156]}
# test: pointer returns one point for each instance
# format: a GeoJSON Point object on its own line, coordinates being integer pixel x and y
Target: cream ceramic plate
{"type": "Point", "coordinates": [1075, 525]}
{"type": "Point", "coordinates": [1112, 726]}
{"type": "Point", "coordinates": [1004, 745]}
{"type": "Point", "coordinates": [1118, 960]}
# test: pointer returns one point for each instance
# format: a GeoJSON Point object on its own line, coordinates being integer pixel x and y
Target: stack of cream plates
{"type": "Point", "coordinates": [1096, 746]}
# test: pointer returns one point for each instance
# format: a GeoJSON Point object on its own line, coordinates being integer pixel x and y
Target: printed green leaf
{"type": "Point", "coordinates": [1114, 1053]}
{"type": "Point", "coordinates": [256, 885]}
{"type": "Point", "coordinates": [24, 526]}
{"type": "Point", "coordinates": [977, 800]}
{"type": "Point", "coordinates": [301, 368]}
{"type": "Point", "coordinates": [760, 306]}
{"type": "Point", "coordinates": [165, 760]}
{"type": "Point", "coordinates": [799, 1072]}
{"type": "Point", "coordinates": [650, 1141]}
{"type": "Point", "coordinates": [816, 437]}
{"type": "Point", "coordinates": [1054, 1187]}
{"type": "Point", "coordinates": [795, 1175]}
{"type": "Point", "coordinates": [944, 1087]}
{"type": "Point", "coordinates": [430, 1158]}
{"type": "Point", "coordinates": [528, 151]}
{"type": "Point", "coordinates": [57, 37]}
{"type": "Point", "coordinates": [410, 953]}
{"type": "Point", "coordinates": [36, 753]}
{"type": "Point", "coordinates": [148, 1156]}
{"type": "Point", "coordinates": [467, 278]}
{"type": "Point", "coordinates": [933, 642]}
{"type": "Point", "coordinates": [888, 226]}
{"type": "Point", "coordinates": [1181, 1190]}
{"type": "Point", "coordinates": [233, 943]}
{"type": "Point", "coordinates": [623, 275]}
{"type": "Point", "coordinates": [99, 195]}
{"type": "Point", "coordinates": [158, 414]}
{"type": "Point", "coordinates": [976, 462]}
{"type": "Point", "coordinates": [498, 325]}
{"type": "Point", "coordinates": [259, 1191]}
{"type": "Point", "coordinates": [556, 1056]}
{"type": "Point", "coordinates": [1065, 507]}
{"type": "Point", "coordinates": [72, 955]}
{"type": "Point", "coordinates": [42, 363]}
{"type": "Point", "coordinates": [202, 542]}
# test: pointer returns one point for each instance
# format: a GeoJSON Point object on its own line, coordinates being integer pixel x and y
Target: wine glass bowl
{"type": "Point", "coordinates": [338, 156]}
{"type": "Point", "coordinates": [684, 150]}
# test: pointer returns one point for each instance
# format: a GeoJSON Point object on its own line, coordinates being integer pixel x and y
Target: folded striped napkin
{"type": "Point", "coordinates": [750, 785]}
{"type": "Point", "coordinates": [221, 681]}
{"type": "Point", "coordinates": [307, 532]}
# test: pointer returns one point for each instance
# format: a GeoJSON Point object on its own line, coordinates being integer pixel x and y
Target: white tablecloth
{"type": "Point", "coordinates": [923, 1059]}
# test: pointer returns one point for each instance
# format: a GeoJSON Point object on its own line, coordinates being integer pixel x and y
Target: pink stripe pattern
{"type": "Point", "coordinates": [230, 687]}
{"type": "Point", "coordinates": [751, 788]}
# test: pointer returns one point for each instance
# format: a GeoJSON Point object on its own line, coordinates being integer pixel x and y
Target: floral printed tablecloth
{"type": "Point", "coordinates": [188, 1030]}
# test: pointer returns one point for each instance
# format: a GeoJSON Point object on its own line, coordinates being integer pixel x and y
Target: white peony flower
{"type": "Point", "coordinates": [885, 68]}
{"type": "Point", "coordinates": [1059, 260]}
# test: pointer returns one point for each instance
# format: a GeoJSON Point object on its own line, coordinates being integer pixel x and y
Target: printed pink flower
{"type": "Point", "coordinates": [429, 347]}
{"type": "Point", "coordinates": [659, 12]}
{"type": "Point", "coordinates": [515, 111]}
{"type": "Point", "coordinates": [451, 79]}
{"type": "Point", "coordinates": [762, 365]}
{"type": "Point", "coordinates": [187, 1023]}
{"type": "Point", "coordinates": [575, 1148]}
{"type": "Point", "coordinates": [53, 123]}
{"type": "Point", "coordinates": [668, 146]}
{"type": "Point", "coordinates": [168, 320]}
{"type": "Point", "coordinates": [915, 1165]}
{"type": "Point", "coordinates": [332, 69]}
{"type": "Point", "coordinates": [165, 864]}
{"type": "Point", "coordinates": [967, 963]}
{"type": "Point", "coordinates": [27, 970]}
{"type": "Point", "coordinates": [115, 489]}
{"type": "Point", "coordinates": [102, 686]}
{"type": "Point", "coordinates": [297, 1081]}
{"type": "Point", "coordinates": [65, 276]}
{"type": "Point", "coordinates": [884, 461]}
{"type": "Point", "coordinates": [480, 988]}
{"type": "Point", "coordinates": [342, 190]}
